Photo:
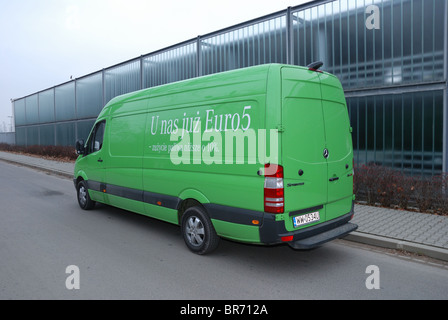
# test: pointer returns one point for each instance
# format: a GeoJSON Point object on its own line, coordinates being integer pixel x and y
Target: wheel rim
{"type": "Point", "coordinates": [195, 231]}
{"type": "Point", "coordinates": [82, 195]}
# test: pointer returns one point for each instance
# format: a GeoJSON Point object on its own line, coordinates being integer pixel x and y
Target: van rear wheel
{"type": "Point", "coordinates": [198, 231]}
{"type": "Point", "coordinates": [84, 200]}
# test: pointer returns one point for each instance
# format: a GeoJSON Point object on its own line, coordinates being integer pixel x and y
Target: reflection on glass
{"type": "Point", "coordinates": [402, 131]}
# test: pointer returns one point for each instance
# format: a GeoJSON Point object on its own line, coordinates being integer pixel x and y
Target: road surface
{"type": "Point", "coordinates": [51, 249]}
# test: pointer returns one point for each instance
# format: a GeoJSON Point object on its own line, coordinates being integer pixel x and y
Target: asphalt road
{"type": "Point", "coordinates": [121, 255]}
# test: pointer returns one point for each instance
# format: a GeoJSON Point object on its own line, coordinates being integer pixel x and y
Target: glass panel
{"type": "Point", "coordinates": [19, 112]}
{"type": "Point", "coordinates": [32, 109]}
{"type": "Point", "coordinates": [32, 136]}
{"type": "Point", "coordinates": [21, 136]}
{"type": "Point", "coordinates": [84, 128]}
{"type": "Point", "coordinates": [65, 134]}
{"type": "Point", "coordinates": [47, 137]}
{"type": "Point", "coordinates": [65, 102]}
{"type": "Point", "coordinates": [169, 66]}
{"type": "Point", "coordinates": [122, 79]}
{"type": "Point", "coordinates": [89, 96]}
{"type": "Point", "coordinates": [404, 49]}
{"type": "Point", "coordinates": [254, 44]}
{"type": "Point", "coordinates": [46, 106]}
{"type": "Point", "coordinates": [402, 131]}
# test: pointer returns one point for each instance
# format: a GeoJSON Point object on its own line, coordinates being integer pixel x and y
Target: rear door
{"type": "Point", "coordinates": [339, 145]}
{"type": "Point", "coordinates": [317, 147]}
{"type": "Point", "coordinates": [303, 141]}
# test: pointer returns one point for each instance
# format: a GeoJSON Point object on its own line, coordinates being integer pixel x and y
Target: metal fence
{"type": "Point", "coordinates": [406, 54]}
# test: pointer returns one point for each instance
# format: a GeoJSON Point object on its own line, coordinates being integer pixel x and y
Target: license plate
{"type": "Point", "coordinates": [306, 219]}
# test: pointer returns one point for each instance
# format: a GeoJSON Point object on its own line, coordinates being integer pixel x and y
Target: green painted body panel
{"type": "Point", "coordinates": [161, 213]}
{"type": "Point", "coordinates": [237, 232]}
{"type": "Point", "coordinates": [224, 117]}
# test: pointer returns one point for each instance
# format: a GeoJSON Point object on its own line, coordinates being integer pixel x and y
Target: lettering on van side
{"type": "Point", "coordinates": [213, 122]}
{"type": "Point", "coordinates": [230, 121]}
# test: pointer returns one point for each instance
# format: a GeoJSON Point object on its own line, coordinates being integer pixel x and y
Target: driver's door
{"type": "Point", "coordinates": [93, 162]}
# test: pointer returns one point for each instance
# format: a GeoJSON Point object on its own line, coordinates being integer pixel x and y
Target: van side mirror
{"type": "Point", "coordinates": [80, 147]}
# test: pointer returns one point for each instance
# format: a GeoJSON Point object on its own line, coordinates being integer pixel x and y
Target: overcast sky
{"type": "Point", "coordinates": [44, 42]}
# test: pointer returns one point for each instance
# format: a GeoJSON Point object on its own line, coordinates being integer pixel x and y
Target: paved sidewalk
{"type": "Point", "coordinates": [415, 232]}
{"type": "Point", "coordinates": [58, 167]}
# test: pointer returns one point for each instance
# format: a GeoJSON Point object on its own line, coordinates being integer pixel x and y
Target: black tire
{"type": "Point", "coordinates": [198, 231]}
{"type": "Point", "coordinates": [84, 200]}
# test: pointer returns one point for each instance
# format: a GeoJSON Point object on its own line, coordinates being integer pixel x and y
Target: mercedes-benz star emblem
{"type": "Point", "coordinates": [325, 153]}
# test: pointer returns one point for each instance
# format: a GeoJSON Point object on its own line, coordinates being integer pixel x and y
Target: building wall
{"type": "Point", "coordinates": [394, 76]}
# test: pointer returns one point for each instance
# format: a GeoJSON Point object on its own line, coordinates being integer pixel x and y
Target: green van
{"type": "Point", "coordinates": [259, 155]}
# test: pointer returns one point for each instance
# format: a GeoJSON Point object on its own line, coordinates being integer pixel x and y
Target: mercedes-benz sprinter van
{"type": "Point", "coordinates": [259, 155]}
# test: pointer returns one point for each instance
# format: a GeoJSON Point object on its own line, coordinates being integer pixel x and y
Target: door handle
{"type": "Point", "coordinates": [333, 179]}
{"type": "Point", "coordinates": [100, 160]}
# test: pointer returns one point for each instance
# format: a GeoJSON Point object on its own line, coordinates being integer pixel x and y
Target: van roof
{"type": "Point", "coordinates": [195, 83]}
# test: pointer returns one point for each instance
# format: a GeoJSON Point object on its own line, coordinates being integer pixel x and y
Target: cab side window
{"type": "Point", "coordinates": [96, 141]}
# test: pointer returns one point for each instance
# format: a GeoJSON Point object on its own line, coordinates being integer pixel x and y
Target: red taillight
{"type": "Point", "coordinates": [274, 201]}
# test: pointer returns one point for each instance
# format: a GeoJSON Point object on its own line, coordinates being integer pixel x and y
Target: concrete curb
{"type": "Point", "coordinates": [40, 167]}
{"type": "Point", "coordinates": [391, 243]}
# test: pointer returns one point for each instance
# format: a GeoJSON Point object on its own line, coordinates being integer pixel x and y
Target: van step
{"type": "Point", "coordinates": [321, 238]}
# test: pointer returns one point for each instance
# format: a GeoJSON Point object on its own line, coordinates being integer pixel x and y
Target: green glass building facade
{"type": "Point", "coordinates": [390, 56]}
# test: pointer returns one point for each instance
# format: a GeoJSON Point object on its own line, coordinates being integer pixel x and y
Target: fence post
{"type": "Point", "coordinates": [289, 34]}
{"type": "Point", "coordinates": [198, 57]}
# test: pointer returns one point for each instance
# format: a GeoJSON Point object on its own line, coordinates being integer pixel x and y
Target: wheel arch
{"type": "Point", "coordinates": [190, 198]}
{"type": "Point", "coordinates": [80, 175]}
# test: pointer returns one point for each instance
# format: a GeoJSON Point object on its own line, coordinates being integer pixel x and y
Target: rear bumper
{"type": "Point", "coordinates": [321, 238]}
{"type": "Point", "coordinates": [272, 232]}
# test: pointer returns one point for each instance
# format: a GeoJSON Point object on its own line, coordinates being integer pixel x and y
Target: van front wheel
{"type": "Point", "coordinates": [84, 200]}
{"type": "Point", "coordinates": [198, 231]}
